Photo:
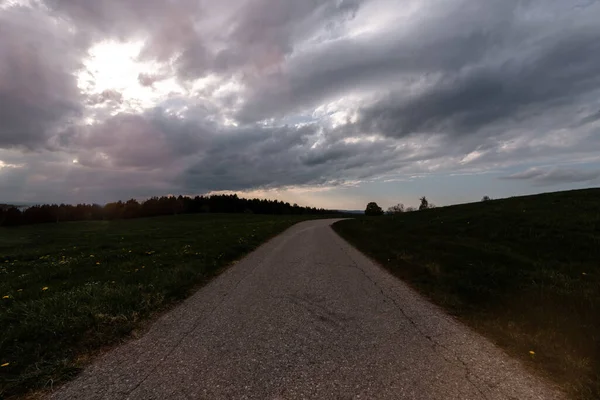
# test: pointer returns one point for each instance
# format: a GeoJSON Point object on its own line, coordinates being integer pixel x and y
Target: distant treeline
{"type": "Point", "coordinates": [155, 206]}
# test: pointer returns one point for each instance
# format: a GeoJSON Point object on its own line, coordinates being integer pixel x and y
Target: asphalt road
{"type": "Point", "coordinates": [306, 316]}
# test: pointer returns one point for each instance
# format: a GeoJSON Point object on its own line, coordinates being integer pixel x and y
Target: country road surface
{"type": "Point", "coordinates": [306, 316]}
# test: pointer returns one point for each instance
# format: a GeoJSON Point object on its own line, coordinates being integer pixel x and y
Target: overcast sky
{"type": "Point", "coordinates": [328, 103]}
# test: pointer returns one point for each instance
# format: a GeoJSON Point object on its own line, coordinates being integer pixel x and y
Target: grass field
{"type": "Point", "coordinates": [524, 271]}
{"type": "Point", "coordinates": [71, 288]}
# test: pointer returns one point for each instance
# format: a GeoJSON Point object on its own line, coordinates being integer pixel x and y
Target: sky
{"type": "Point", "coordinates": [326, 103]}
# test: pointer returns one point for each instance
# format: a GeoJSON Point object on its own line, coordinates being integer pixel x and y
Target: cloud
{"type": "Point", "coordinates": [193, 95]}
{"type": "Point", "coordinates": [127, 18]}
{"type": "Point", "coordinates": [136, 141]}
{"type": "Point", "coordinates": [429, 43]}
{"type": "Point", "coordinates": [588, 119]}
{"type": "Point", "coordinates": [555, 176]}
{"type": "Point", "coordinates": [203, 37]}
{"type": "Point", "coordinates": [38, 93]}
{"type": "Point", "coordinates": [268, 30]}
{"type": "Point", "coordinates": [58, 179]}
{"type": "Point", "coordinates": [286, 156]}
{"type": "Point", "coordinates": [105, 96]}
{"type": "Point", "coordinates": [146, 79]}
{"type": "Point", "coordinates": [480, 95]}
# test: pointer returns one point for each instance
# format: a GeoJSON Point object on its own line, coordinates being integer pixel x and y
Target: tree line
{"type": "Point", "coordinates": [373, 208]}
{"type": "Point", "coordinates": [155, 206]}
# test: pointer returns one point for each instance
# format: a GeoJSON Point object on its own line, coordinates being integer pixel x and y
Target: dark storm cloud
{"type": "Point", "coordinates": [49, 179]}
{"type": "Point", "coordinates": [448, 38]}
{"type": "Point", "coordinates": [259, 157]}
{"type": "Point", "coordinates": [251, 157]}
{"type": "Point", "coordinates": [479, 64]}
{"type": "Point", "coordinates": [465, 102]}
{"type": "Point", "coordinates": [139, 141]}
{"type": "Point", "coordinates": [267, 30]}
{"type": "Point", "coordinates": [588, 119]}
{"type": "Point", "coordinates": [37, 89]}
{"type": "Point", "coordinates": [555, 176]}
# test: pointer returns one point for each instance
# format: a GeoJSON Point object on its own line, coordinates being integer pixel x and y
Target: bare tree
{"type": "Point", "coordinates": [397, 209]}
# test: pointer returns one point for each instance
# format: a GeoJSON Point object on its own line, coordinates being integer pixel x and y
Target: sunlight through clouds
{"type": "Point", "coordinates": [6, 165]}
{"type": "Point", "coordinates": [115, 66]}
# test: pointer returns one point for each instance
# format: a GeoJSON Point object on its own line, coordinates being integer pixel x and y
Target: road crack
{"type": "Point", "coordinates": [435, 344]}
{"type": "Point", "coordinates": [196, 325]}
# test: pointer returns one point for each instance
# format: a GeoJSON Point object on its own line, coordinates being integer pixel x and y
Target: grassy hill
{"type": "Point", "coordinates": [69, 289]}
{"type": "Point", "coordinates": [525, 271]}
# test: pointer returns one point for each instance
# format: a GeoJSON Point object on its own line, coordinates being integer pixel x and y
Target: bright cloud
{"type": "Point", "coordinates": [113, 71]}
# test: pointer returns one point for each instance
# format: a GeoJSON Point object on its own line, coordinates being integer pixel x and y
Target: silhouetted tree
{"type": "Point", "coordinates": [424, 203]}
{"type": "Point", "coordinates": [114, 210]}
{"type": "Point", "coordinates": [373, 209]}
{"type": "Point", "coordinates": [132, 209]}
{"type": "Point", "coordinates": [397, 209]}
{"type": "Point", "coordinates": [154, 206]}
{"type": "Point", "coordinates": [12, 217]}
{"type": "Point", "coordinates": [486, 198]}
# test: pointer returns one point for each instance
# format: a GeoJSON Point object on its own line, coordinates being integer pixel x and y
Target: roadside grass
{"type": "Point", "coordinates": [524, 271]}
{"type": "Point", "coordinates": [69, 289]}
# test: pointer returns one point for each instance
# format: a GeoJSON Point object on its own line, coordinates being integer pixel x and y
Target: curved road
{"type": "Point", "coordinates": [306, 316]}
